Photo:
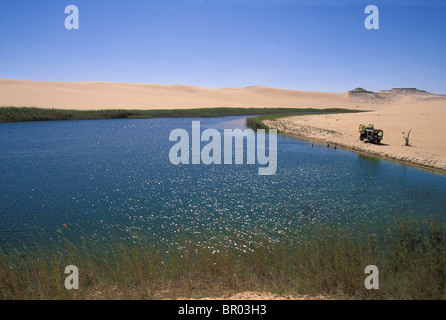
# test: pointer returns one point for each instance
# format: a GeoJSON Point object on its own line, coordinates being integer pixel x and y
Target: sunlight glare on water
{"type": "Point", "coordinates": [113, 178]}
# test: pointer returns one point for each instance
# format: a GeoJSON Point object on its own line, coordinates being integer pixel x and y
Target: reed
{"type": "Point", "coordinates": [257, 122]}
{"type": "Point", "coordinates": [18, 114]}
{"type": "Point", "coordinates": [318, 260]}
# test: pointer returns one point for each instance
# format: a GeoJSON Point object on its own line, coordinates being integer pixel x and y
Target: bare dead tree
{"type": "Point", "coordinates": [407, 137]}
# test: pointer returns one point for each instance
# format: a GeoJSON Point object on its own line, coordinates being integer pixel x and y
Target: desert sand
{"type": "Point", "coordinates": [249, 295]}
{"type": "Point", "coordinates": [395, 111]}
{"type": "Point", "coordinates": [106, 95]}
{"type": "Point", "coordinates": [423, 113]}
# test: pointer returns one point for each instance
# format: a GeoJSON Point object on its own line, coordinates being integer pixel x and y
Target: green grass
{"type": "Point", "coordinates": [323, 260]}
{"type": "Point", "coordinates": [16, 114]}
{"type": "Point", "coordinates": [257, 122]}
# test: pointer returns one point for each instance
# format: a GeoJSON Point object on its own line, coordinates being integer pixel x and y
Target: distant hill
{"type": "Point", "coordinates": [393, 95]}
{"type": "Point", "coordinates": [93, 95]}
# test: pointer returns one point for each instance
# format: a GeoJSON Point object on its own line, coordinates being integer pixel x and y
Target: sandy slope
{"type": "Point", "coordinates": [105, 95]}
{"type": "Point", "coordinates": [394, 111]}
{"type": "Point", "coordinates": [426, 116]}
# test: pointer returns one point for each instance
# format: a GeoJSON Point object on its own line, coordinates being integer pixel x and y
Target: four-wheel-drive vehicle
{"type": "Point", "coordinates": [368, 133]}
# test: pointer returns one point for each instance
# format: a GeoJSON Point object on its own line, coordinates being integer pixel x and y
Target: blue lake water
{"type": "Point", "coordinates": [111, 178]}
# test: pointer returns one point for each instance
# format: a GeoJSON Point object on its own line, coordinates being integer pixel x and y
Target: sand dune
{"type": "Point", "coordinates": [426, 116]}
{"type": "Point", "coordinates": [105, 95]}
{"type": "Point", "coordinates": [395, 111]}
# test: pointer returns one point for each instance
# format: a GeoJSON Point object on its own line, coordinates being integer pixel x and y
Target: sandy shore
{"type": "Point", "coordinates": [425, 115]}
{"type": "Point", "coordinates": [248, 295]}
{"type": "Point", "coordinates": [395, 111]}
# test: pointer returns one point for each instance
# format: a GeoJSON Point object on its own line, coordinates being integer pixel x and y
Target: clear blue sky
{"type": "Point", "coordinates": [316, 45]}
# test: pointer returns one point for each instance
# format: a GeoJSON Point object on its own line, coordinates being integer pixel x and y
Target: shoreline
{"type": "Point", "coordinates": [278, 118]}
{"type": "Point", "coordinates": [424, 119]}
{"type": "Point", "coordinates": [269, 271]}
{"type": "Point", "coordinates": [32, 114]}
{"type": "Point", "coordinates": [359, 151]}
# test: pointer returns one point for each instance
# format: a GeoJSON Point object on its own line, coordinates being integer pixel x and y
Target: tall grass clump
{"type": "Point", "coordinates": [17, 114]}
{"type": "Point", "coordinates": [318, 260]}
{"type": "Point", "coordinates": [257, 122]}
